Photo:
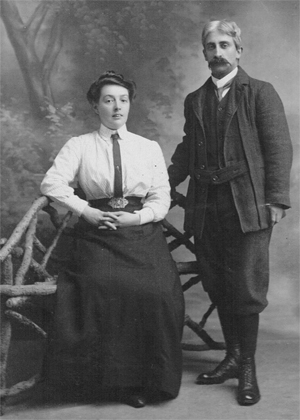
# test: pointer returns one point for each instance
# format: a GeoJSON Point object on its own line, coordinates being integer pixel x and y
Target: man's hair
{"type": "Point", "coordinates": [228, 28]}
{"type": "Point", "coordinates": [109, 78]}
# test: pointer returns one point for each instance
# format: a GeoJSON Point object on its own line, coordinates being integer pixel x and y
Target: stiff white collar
{"type": "Point", "coordinates": [222, 82]}
{"type": "Point", "coordinates": [106, 133]}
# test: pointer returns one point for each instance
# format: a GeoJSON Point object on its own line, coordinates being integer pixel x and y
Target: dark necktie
{"type": "Point", "coordinates": [219, 91]}
{"type": "Point", "coordinates": [118, 189]}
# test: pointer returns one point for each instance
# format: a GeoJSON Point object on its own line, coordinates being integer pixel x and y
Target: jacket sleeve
{"type": "Point", "coordinates": [276, 145]}
{"type": "Point", "coordinates": [179, 169]}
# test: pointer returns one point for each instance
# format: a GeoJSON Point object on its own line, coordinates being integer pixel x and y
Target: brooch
{"type": "Point", "coordinates": [118, 202]}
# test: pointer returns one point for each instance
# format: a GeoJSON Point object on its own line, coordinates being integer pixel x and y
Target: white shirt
{"type": "Point", "coordinates": [222, 82]}
{"type": "Point", "coordinates": [88, 159]}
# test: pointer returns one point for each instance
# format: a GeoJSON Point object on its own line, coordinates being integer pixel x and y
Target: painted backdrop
{"type": "Point", "coordinates": [52, 50]}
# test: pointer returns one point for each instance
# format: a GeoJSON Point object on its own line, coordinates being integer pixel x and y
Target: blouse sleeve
{"type": "Point", "coordinates": [56, 184]}
{"type": "Point", "coordinates": [157, 202]}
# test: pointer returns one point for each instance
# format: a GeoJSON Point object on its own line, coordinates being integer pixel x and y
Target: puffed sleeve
{"type": "Point", "coordinates": [157, 202]}
{"type": "Point", "coordinates": [57, 182]}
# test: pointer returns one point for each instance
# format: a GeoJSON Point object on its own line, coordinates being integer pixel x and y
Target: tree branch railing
{"type": "Point", "coordinates": [25, 280]}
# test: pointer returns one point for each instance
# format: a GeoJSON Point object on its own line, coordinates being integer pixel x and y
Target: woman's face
{"type": "Point", "coordinates": [113, 107]}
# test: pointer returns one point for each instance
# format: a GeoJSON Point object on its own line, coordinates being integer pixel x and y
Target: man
{"type": "Point", "coordinates": [237, 153]}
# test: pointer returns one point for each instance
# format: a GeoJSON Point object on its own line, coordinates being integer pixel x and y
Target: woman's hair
{"type": "Point", "coordinates": [110, 78]}
{"type": "Point", "coordinates": [228, 28]}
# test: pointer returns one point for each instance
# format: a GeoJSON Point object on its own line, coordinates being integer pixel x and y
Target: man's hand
{"type": "Point", "coordinates": [102, 219]}
{"type": "Point", "coordinates": [276, 213]}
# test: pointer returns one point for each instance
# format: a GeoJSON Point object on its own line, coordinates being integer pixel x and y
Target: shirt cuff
{"type": "Point", "coordinates": [146, 215]}
{"type": "Point", "coordinates": [282, 206]}
{"type": "Point", "coordinates": [76, 205]}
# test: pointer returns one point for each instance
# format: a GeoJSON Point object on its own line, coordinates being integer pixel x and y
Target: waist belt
{"type": "Point", "coordinates": [221, 175]}
{"type": "Point", "coordinates": [117, 203]}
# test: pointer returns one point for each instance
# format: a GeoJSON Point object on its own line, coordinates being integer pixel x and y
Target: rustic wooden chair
{"type": "Point", "coordinates": [27, 284]}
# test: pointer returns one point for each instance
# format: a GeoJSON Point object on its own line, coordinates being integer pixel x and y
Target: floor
{"type": "Point", "coordinates": [278, 376]}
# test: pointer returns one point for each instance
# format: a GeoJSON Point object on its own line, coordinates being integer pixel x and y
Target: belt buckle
{"type": "Point", "coordinates": [118, 202]}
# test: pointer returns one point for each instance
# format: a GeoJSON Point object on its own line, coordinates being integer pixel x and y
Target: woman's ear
{"type": "Point", "coordinates": [95, 108]}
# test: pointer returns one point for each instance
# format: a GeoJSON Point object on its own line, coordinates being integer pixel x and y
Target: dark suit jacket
{"type": "Point", "coordinates": [255, 114]}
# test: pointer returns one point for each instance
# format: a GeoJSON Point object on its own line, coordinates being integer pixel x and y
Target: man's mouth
{"type": "Point", "coordinates": [218, 61]}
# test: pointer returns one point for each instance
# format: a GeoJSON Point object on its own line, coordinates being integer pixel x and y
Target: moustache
{"type": "Point", "coordinates": [218, 61]}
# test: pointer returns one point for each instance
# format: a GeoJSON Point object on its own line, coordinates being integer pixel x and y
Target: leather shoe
{"type": "Point", "coordinates": [227, 369]}
{"type": "Point", "coordinates": [248, 391]}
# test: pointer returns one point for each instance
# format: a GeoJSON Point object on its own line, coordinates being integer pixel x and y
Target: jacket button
{"type": "Point", "coordinates": [202, 166]}
{"type": "Point", "coordinates": [215, 178]}
{"type": "Point", "coordinates": [200, 143]}
{"type": "Point", "coordinates": [197, 176]}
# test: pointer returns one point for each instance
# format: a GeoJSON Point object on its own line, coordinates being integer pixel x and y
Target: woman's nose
{"type": "Point", "coordinates": [117, 105]}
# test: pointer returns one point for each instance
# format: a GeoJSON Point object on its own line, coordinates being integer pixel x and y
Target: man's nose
{"type": "Point", "coordinates": [218, 51]}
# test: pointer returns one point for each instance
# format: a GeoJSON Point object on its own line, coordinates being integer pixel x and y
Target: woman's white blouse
{"type": "Point", "coordinates": [88, 159]}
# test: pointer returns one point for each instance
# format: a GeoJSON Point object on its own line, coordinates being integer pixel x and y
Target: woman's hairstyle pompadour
{"type": "Point", "coordinates": [110, 78]}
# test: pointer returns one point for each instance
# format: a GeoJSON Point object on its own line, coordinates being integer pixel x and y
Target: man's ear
{"type": "Point", "coordinates": [204, 53]}
{"type": "Point", "coordinates": [239, 50]}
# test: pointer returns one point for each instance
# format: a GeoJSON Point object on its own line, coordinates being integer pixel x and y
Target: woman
{"type": "Point", "coordinates": [120, 308]}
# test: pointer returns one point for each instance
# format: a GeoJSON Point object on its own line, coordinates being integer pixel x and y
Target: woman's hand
{"type": "Point", "coordinates": [102, 219]}
{"type": "Point", "coordinates": [126, 219]}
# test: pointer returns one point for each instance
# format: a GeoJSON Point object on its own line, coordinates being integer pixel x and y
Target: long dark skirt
{"type": "Point", "coordinates": [119, 314]}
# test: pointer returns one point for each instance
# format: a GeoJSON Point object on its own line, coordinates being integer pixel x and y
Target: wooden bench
{"type": "Point", "coordinates": [28, 285]}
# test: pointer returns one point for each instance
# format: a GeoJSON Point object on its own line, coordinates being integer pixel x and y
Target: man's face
{"type": "Point", "coordinates": [221, 53]}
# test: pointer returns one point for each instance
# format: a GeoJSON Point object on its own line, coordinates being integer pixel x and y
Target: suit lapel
{"type": "Point", "coordinates": [198, 102]}
{"type": "Point", "coordinates": [235, 96]}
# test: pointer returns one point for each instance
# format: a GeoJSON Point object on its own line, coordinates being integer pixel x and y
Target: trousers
{"type": "Point", "coordinates": [233, 265]}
